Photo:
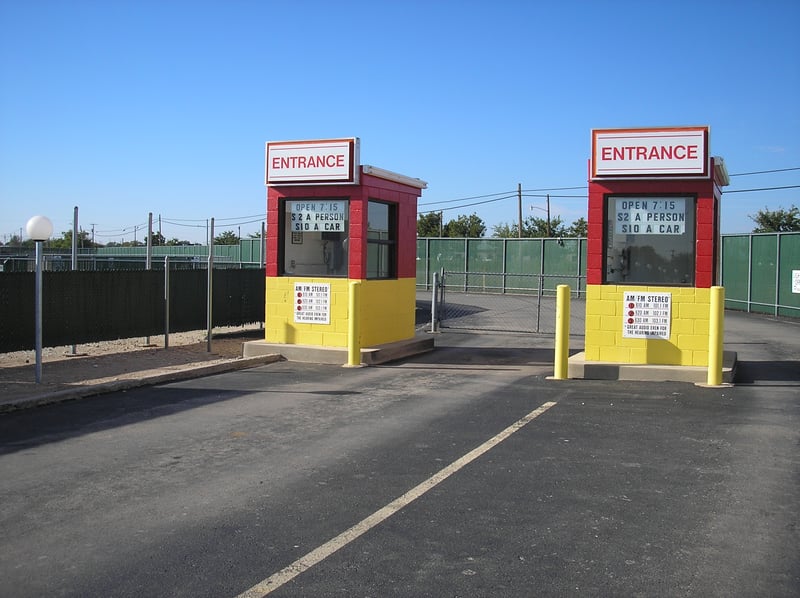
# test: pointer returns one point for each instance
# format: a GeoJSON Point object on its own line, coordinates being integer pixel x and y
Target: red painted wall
{"type": "Point", "coordinates": [371, 187]}
{"type": "Point", "coordinates": [707, 227]}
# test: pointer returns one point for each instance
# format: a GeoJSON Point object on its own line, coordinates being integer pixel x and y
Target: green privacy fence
{"type": "Point", "coordinates": [90, 306]}
{"type": "Point", "coordinates": [248, 253]}
{"type": "Point", "coordinates": [757, 269]}
{"type": "Point", "coordinates": [758, 272]}
{"type": "Point", "coordinates": [520, 264]}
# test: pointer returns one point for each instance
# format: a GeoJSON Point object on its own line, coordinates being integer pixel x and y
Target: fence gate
{"type": "Point", "coordinates": [503, 302]}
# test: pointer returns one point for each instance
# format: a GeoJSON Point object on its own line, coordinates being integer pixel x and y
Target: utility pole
{"type": "Point", "coordinates": [549, 231]}
{"type": "Point", "coordinates": [519, 209]}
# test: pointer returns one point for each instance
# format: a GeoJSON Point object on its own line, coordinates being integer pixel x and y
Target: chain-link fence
{"type": "Point", "coordinates": [501, 302]}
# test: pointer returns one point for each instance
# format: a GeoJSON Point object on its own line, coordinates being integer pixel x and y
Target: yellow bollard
{"type": "Point", "coordinates": [561, 370]}
{"type": "Point", "coordinates": [715, 335]}
{"type": "Point", "coordinates": [353, 328]}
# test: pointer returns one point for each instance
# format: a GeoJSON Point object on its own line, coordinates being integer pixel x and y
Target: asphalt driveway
{"type": "Point", "coordinates": [312, 480]}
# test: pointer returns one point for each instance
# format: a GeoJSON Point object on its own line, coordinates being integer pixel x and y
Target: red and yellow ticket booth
{"type": "Point", "coordinates": [653, 251]}
{"type": "Point", "coordinates": [332, 221]}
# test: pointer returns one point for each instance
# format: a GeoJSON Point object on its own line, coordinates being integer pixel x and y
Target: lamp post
{"type": "Point", "coordinates": [39, 229]}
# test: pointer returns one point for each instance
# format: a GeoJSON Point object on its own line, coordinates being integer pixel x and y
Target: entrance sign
{"type": "Point", "coordinates": [650, 216]}
{"type": "Point", "coordinates": [319, 161]}
{"type": "Point", "coordinates": [318, 216]}
{"type": "Point", "coordinates": [312, 303]}
{"type": "Point", "coordinates": [646, 315]}
{"type": "Point", "coordinates": [671, 152]}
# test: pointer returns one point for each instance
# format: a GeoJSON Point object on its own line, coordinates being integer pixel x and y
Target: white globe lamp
{"type": "Point", "coordinates": [39, 228]}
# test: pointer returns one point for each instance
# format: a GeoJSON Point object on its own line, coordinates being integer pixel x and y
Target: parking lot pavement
{"type": "Point", "coordinates": [118, 365]}
{"type": "Point", "coordinates": [210, 487]}
{"type": "Point", "coordinates": [612, 491]}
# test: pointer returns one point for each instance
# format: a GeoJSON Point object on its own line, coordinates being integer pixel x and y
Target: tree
{"type": "Point", "coordinates": [579, 228]}
{"type": "Point", "coordinates": [532, 226]}
{"type": "Point", "coordinates": [17, 241]}
{"type": "Point", "coordinates": [505, 231]}
{"type": "Point", "coordinates": [466, 226]}
{"type": "Point", "coordinates": [65, 242]}
{"type": "Point", "coordinates": [157, 239]}
{"type": "Point", "coordinates": [777, 221]}
{"type": "Point", "coordinates": [134, 243]}
{"type": "Point", "coordinates": [226, 238]}
{"type": "Point", "coordinates": [430, 225]}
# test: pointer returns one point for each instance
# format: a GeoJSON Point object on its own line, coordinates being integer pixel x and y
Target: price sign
{"type": "Point", "coordinates": [662, 216]}
{"type": "Point", "coordinates": [646, 315]}
{"type": "Point", "coordinates": [312, 303]}
{"type": "Point", "coordinates": [318, 216]}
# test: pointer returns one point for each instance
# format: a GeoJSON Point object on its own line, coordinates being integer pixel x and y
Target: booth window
{"type": "Point", "coordinates": [381, 240]}
{"type": "Point", "coordinates": [315, 234]}
{"type": "Point", "coordinates": [650, 240]}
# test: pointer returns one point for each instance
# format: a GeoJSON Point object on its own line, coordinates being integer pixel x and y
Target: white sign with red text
{"type": "Point", "coordinates": [646, 315]}
{"type": "Point", "coordinates": [320, 161]}
{"type": "Point", "coordinates": [650, 152]}
{"type": "Point", "coordinates": [312, 303]}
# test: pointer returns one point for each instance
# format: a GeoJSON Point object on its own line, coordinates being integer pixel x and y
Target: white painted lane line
{"type": "Point", "coordinates": [319, 554]}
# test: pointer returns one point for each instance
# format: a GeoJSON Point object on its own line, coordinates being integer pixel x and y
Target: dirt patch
{"type": "Point", "coordinates": [121, 359]}
{"type": "Point", "coordinates": [225, 342]}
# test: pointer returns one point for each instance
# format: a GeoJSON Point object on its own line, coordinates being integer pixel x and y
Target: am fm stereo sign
{"type": "Point", "coordinates": [318, 161]}
{"type": "Point", "coordinates": [670, 152]}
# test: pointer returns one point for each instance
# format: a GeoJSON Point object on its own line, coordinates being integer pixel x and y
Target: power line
{"type": "Point", "coordinates": [430, 203]}
{"type": "Point", "coordinates": [506, 195]}
{"type": "Point", "coordinates": [765, 171]}
{"type": "Point", "coordinates": [200, 223]}
{"type": "Point", "coordinates": [762, 189]}
{"type": "Point", "coordinates": [477, 203]}
{"type": "Point", "coordinates": [179, 223]}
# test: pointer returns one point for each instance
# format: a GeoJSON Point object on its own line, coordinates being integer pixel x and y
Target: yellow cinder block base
{"type": "Point", "coordinates": [689, 325]}
{"type": "Point", "coordinates": [387, 312]}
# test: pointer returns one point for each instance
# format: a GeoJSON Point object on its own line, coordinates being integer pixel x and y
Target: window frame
{"type": "Point", "coordinates": [285, 235]}
{"type": "Point", "coordinates": [389, 244]}
{"type": "Point", "coordinates": [690, 211]}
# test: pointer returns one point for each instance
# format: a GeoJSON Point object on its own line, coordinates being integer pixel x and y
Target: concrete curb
{"type": "Point", "coordinates": [579, 368]}
{"type": "Point", "coordinates": [375, 355]}
{"type": "Point", "coordinates": [187, 373]}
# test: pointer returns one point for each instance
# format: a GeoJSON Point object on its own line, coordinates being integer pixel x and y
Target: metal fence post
{"type": "Point", "coordinates": [749, 272]}
{"type": "Point", "coordinates": [777, 273]}
{"type": "Point", "coordinates": [166, 302]}
{"type": "Point", "coordinates": [434, 298]}
{"type": "Point", "coordinates": [210, 287]}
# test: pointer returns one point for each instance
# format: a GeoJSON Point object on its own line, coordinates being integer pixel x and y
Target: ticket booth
{"type": "Point", "coordinates": [332, 221]}
{"type": "Point", "coordinates": [652, 253]}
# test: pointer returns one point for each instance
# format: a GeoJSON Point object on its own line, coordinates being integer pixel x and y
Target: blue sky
{"type": "Point", "coordinates": [124, 108]}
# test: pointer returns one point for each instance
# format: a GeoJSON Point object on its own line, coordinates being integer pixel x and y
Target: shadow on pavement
{"type": "Point", "coordinates": [97, 414]}
{"type": "Point", "coordinates": [760, 372]}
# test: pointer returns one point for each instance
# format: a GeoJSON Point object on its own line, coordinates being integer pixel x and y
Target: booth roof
{"type": "Point", "coordinates": [394, 176]}
{"type": "Point", "coordinates": [721, 172]}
